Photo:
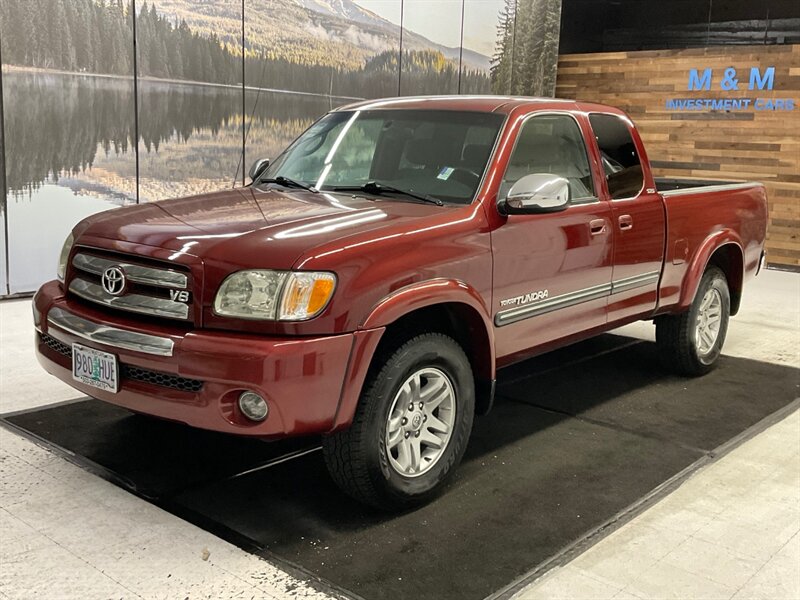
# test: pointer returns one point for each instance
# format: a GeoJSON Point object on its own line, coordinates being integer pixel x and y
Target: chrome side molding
{"type": "Point", "coordinates": [518, 313]}
{"type": "Point", "coordinates": [512, 315]}
{"type": "Point", "coordinates": [111, 336]}
{"type": "Point", "coordinates": [629, 283]}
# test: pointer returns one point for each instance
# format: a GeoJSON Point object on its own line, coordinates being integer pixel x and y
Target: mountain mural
{"type": "Point", "coordinates": [336, 33]}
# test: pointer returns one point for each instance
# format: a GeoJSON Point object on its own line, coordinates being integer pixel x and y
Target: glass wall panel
{"type": "Point", "coordinates": [190, 96]}
{"type": "Point", "coordinates": [68, 123]}
{"type": "Point", "coordinates": [302, 61]}
{"type": "Point", "coordinates": [486, 25]}
{"type": "Point", "coordinates": [431, 47]}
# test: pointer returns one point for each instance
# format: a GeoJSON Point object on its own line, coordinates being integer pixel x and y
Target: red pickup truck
{"type": "Point", "coordinates": [373, 278]}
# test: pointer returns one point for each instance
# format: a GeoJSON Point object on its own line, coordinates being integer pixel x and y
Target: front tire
{"type": "Point", "coordinates": [411, 426]}
{"type": "Point", "coordinates": [690, 343]}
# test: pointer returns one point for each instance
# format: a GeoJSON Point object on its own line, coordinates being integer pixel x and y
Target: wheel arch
{"type": "Point", "coordinates": [723, 250]}
{"type": "Point", "coordinates": [444, 306]}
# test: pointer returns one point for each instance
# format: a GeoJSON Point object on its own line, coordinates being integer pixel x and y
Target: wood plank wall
{"type": "Point", "coordinates": [760, 145]}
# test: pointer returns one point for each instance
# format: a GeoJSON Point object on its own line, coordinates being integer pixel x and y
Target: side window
{"type": "Point", "coordinates": [620, 159]}
{"type": "Point", "coordinates": [551, 144]}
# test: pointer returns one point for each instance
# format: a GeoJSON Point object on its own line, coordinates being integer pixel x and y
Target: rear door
{"type": "Point", "coordinates": [552, 272]}
{"type": "Point", "coordinates": [637, 216]}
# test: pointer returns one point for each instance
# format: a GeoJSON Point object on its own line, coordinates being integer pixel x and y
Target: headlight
{"type": "Point", "coordinates": [282, 295]}
{"type": "Point", "coordinates": [64, 257]}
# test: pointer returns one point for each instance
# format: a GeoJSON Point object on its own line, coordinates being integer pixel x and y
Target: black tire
{"type": "Point", "coordinates": [357, 457]}
{"type": "Point", "coordinates": [676, 338]}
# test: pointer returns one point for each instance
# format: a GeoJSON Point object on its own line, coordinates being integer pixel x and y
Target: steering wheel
{"type": "Point", "coordinates": [466, 176]}
{"type": "Point", "coordinates": [312, 144]}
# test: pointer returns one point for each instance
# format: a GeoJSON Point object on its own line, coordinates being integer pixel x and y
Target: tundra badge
{"type": "Point", "coordinates": [520, 300]}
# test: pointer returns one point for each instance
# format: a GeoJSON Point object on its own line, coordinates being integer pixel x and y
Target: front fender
{"type": "Point", "coordinates": [402, 302]}
{"type": "Point", "coordinates": [428, 293]}
{"type": "Point", "coordinates": [699, 262]}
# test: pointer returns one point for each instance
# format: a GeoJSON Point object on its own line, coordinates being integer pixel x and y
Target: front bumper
{"type": "Point", "coordinates": [195, 377]}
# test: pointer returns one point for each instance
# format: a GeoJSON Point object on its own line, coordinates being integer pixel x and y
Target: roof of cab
{"type": "Point", "coordinates": [499, 104]}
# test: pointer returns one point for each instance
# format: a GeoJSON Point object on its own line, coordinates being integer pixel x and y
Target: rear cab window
{"type": "Point", "coordinates": [621, 163]}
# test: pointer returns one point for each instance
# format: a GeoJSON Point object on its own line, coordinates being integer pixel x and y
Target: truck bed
{"type": "Point", "coordinates": [700, 210]}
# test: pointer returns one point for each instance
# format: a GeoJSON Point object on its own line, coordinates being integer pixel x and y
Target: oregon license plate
{"type": "Point", "coordinates": [95, 368]}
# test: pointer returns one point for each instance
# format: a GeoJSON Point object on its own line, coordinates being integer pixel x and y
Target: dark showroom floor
{"type": "Point", "coordinates": [597, 475]}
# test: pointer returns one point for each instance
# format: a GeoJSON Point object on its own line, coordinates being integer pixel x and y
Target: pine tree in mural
{"type": "Point", "coordinates": [500, 71]}
{"type": "Point", "coordinates": [96, 36]}
{"type": "Point", "coordinates": [527, 48]}
{"type": "Point", "coordinates": [70, 35]}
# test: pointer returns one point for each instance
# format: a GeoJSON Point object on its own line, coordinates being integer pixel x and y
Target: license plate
{"type": "Point", "coordinates": [95, 368]}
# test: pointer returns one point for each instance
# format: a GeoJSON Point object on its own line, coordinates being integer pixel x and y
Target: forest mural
{"type": "Point", "coordinates": [214, 85]}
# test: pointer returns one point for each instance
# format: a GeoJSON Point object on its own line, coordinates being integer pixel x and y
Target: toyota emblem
{"type": "Point", "coordinates": [114, 281]}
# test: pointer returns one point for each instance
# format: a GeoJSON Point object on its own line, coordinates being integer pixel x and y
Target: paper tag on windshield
{"type": "Point", "coordinates": [445, 173]}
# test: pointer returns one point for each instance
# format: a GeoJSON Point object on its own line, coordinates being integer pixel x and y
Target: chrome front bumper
{"type": "Point", "coordinates": [103, 334]}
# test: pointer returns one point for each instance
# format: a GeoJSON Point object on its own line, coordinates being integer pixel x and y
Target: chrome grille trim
{"type": "Point", "coordinates": [111, 336]}
{"type": "Point", "coordinates": [135, 273]}
{"type": "Point", "coordinates": [138, 303]}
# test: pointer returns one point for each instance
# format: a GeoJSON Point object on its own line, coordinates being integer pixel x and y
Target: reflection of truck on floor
{"type": "Point", "coordinates": [370, 282]}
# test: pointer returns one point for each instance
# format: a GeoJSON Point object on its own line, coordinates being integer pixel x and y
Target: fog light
{"type": "Point", "coordinates": [253, 406]}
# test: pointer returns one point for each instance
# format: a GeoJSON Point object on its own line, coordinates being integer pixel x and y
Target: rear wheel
{"type": "Point", "coordinates": [411, 426]}
{"type": "Point", "coordinates": [690, 343]}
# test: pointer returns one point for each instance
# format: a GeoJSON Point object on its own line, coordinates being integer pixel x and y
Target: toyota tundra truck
{"type": "Point", "coordinates": [369, 283]}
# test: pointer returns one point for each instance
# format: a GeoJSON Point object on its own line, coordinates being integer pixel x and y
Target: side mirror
{"type": "Point", "coordinates": [537, 193]}
{"type": "Point", "coordinates": [258, 168]}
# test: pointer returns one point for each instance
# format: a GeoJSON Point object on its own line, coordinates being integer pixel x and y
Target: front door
{"type": "Point", "coordinates": [552, 272]}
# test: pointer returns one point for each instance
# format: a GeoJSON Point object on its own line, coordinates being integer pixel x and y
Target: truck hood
{"type": "Point", "coordinates": [255, 226]}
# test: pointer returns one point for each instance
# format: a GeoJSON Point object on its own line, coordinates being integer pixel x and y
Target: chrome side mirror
{"type": "Point", "coordinates": [258, 168]}
{"type": "Point", "coordinates": [537, 193]}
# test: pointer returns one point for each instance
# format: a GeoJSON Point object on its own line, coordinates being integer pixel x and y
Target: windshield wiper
{"type": "Point", "coordinates": [286, 182]}
{"type": "Point", "coordinates": [373, 187]}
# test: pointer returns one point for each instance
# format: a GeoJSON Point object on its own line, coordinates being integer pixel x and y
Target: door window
{"type": "Point", "coordinates": [620, 158]}
{"type": "Point", "coordinates": [551, 144]}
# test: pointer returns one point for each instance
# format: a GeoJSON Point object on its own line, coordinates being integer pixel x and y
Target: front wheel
{"type": "Point", "coordinates": [411, 426]}
{"type": "Point", "coordinates": [690, 343]}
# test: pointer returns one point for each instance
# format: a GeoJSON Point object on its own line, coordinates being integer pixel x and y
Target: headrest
{"type": "Point", "coordinates": [420, 151]}
{"type": "Point", "coordinates": [535, 141]}
{"type": "Point", "coordinates": [476, 154]}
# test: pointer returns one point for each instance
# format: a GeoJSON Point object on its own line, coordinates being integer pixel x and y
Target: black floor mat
{"type": "Point", "coordinates": [576, 436]}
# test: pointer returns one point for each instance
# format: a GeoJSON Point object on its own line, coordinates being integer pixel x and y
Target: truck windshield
{"type": "Point", "coordinates": [439, 154]}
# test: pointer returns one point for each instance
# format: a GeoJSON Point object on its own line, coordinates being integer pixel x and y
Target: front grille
{"type": "Point", "coordinates": [155, 291]}
{"type": "Point", "coordinates": [175, 382]}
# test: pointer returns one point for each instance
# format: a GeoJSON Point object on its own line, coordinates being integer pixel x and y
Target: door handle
{"type": "Point", "coordinates": [625, 222]}
{"type": "Point", "coordinates": [597, 226]}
